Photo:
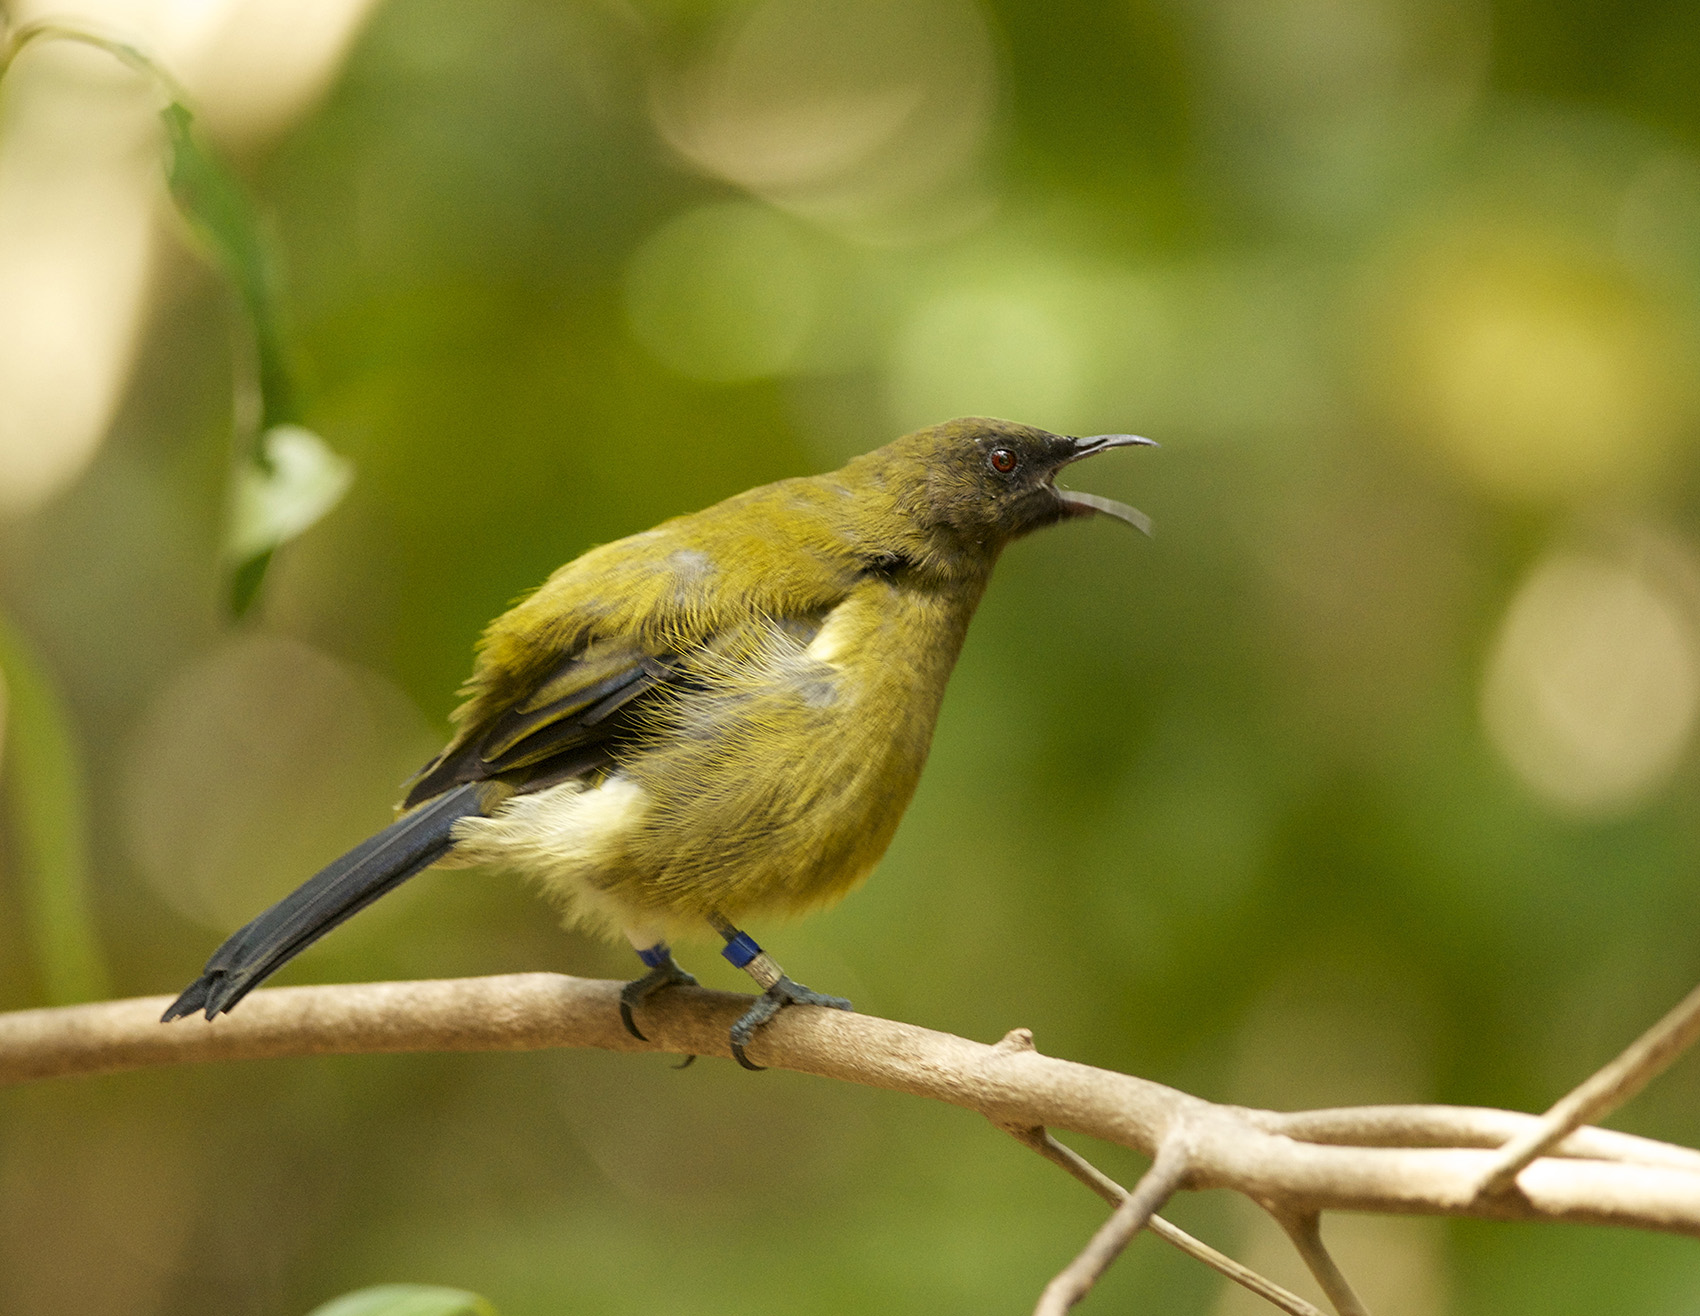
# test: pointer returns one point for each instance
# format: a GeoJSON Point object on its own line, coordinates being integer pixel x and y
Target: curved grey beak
{"type": "Point", "coordinates": [1086, 504]}
{"type": "Point", "coordinates": [1095, 443]}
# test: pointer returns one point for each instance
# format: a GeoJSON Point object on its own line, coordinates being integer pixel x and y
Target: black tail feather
{"type": "Point", "coordinates": [339, 890]}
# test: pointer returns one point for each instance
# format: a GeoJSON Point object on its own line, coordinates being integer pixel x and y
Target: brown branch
{"type": "Point", "coordinates": [1461, 1126]}
{"type": "Point", "coordinates": [1113, 1193]}
{"type": "Point", "coordinates": [1640, 1063]}
{"type": "Point", "coordinates": [1306, 1232]}
{"type": "Point", "coordinates": [1347, 1163]}
{"type": "Point", "coordinates": [1155, 1187]}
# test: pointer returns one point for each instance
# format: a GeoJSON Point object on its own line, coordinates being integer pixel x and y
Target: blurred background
{"type": "Point", "coordinates": [1370, 778]}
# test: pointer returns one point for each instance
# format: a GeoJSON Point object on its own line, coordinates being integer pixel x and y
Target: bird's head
{"type": "Point", "coordinates": [991, 481]}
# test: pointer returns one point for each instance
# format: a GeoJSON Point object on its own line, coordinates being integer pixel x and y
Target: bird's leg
{"type": "Point", "coordinates": [778, 991]}
{"type": "Point", "coordinates": [663, 972]}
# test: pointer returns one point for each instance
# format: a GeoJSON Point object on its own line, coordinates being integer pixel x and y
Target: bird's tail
{"type": "Point", "coordinates": [410, 844]}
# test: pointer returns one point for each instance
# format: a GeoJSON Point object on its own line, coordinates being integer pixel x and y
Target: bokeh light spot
{"type": "Point", "coordinates": [864, 114]}
{"type": "Point", "coordinates": [78, 174]}
{"type": "Point", "coordinates": [1540, 373]}
{"type": "Point", "coordinates": [258, 765]}
{"type": "Point", "coordinates": [728, 292]}
{"type": "Point", "coordinates": [251, 66]}
{"type": "Point", "coordinates": [986, 352]}
{"type": "Point", "coordinates": [1593, 684]}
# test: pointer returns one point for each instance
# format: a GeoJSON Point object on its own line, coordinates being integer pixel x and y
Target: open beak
{"type": "Point", "coordinates": [1086, 504]}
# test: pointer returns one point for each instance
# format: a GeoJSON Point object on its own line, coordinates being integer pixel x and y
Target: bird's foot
{"type": "Point", "coordinates": [782, 993]}
{"type": "Point", "coordinates": [663, 972]}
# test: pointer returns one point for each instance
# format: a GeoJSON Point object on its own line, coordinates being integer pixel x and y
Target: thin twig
{"type": "Point", "coordinates": [12, 45]}
{"type": "Point", "coordinates": [1154, 1188]}
{"type": "Point", "coordinates": [1112, 1192]}
{"type": "Point", "coordinates": [1305, 1229]}
{"type": "Point", "coordinates": [1641, 1061]}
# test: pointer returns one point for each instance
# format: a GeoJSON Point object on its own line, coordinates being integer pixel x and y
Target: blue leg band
{"type": "Point", "coordinates": [740, 950]}
{"type": "Point", "coordinates": [656, 955]}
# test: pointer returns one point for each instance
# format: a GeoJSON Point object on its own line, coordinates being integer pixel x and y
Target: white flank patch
{"type": "Point", "coordinates": [830, 641]}
{"type": "Point", "coordinates": [557, 833]}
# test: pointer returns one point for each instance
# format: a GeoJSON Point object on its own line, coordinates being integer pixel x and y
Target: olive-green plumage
{"type": "Point", "coordinates": [725, 715]}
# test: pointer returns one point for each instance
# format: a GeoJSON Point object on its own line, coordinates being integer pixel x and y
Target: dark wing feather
{"type": "Point", "coordinates": [571, 725]}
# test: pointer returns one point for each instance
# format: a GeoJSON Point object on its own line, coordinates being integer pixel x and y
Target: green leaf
{"type": "Point", "coordinates": [46, 811]}
{"type": "Point", "coordinates": [245, 583]}
{"type": "Point", "coordinates": [218, 209]}
{"type": "Point", "coordinates": [293, 481]}
{"type": "Point", "coordinates": [406, 1300]}
{"type": "Point", "coordinates": [291, 478]}
{"type": "Point", "coordinates": [296, 481]}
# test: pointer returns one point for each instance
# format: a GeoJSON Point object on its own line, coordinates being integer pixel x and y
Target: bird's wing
{"type": "Point", "coordinates": [566, 677]}
{"type": "Point", "coordinates": [570, 725]}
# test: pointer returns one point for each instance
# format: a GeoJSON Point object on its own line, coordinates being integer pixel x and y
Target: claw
{"type": "Point", "coordinates": [636, 992]}
{"type": "Point", "coordinates": [771, 1002]}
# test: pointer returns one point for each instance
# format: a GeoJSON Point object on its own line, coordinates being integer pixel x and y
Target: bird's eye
{"type": "Point", "coordinates": [1003, 461]}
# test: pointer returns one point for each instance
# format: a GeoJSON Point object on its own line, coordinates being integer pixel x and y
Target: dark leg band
{"type": "Point", "coordinates": [740, 950]}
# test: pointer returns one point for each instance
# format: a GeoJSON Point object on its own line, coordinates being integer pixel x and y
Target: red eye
{"type": "Point", "coordinates": [1003, 461]}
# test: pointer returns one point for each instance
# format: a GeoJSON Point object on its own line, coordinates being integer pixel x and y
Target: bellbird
{"type": "Point", "coordinates": [722, 717]}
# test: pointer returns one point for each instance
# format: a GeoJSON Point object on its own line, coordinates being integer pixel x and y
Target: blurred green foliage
{"type": "Point", "coordinates": [46, 811]}
{"type": "Point", "coordinates": [1370, 778]}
